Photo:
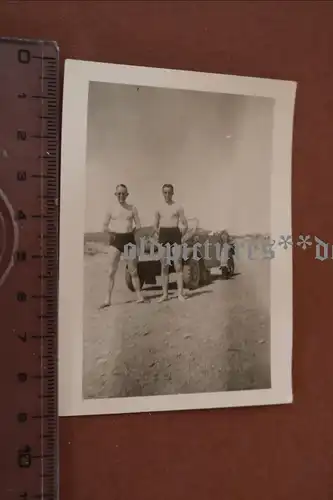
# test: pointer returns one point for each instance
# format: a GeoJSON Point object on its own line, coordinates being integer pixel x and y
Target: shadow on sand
{"type": "Point", "coordinates": [228, 355]}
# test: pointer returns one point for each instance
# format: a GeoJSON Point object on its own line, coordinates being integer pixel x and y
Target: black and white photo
{"type": "Point", "coordinates": [175, 188]}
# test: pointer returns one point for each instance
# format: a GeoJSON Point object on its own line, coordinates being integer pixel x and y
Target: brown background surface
{"type": "Point", "coordinates": [275, 453]}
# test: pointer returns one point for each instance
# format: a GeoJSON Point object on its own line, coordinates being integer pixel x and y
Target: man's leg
{"type": "Point", "coordinates": [132, 266]}
{"type": "Point", "coordinates": [178, 264]}
{"type": "Point", "coordinates": [114, 262]}
{"type": "Point", "coordinates": [164, 277]}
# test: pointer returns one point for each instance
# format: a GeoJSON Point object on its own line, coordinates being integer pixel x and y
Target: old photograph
{"type": "Point", "coordinates": [176, 187]}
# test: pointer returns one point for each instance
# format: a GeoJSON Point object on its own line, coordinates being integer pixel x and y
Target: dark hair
{"type": "Point", "coordinates": [225, 233]}
{"type": "Point", "coordinates": [121, 185]}
{"type": "Point", "coordinates": [167, 186]}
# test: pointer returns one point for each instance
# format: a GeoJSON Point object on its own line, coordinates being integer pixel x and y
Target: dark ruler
{"type": "Point", "coordinates": [29, 181]}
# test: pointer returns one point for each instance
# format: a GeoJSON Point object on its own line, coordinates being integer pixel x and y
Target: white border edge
{"type": "Point", "coordinates": [82, 71]}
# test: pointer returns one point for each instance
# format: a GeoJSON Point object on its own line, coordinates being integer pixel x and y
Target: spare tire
{"type": "Point", "coordinates": [191, 274]}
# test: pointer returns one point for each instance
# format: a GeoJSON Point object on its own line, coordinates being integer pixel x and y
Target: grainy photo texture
{"type": "Point", "coordinates": [176, 237]}
{"type": "Point", "coordinates": [175, 166]}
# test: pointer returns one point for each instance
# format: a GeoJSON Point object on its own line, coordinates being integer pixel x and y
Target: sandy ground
{"type": "Point", "coordinates": [218, 340]}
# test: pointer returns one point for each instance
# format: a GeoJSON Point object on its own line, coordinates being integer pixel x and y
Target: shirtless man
{"type": "Point", "coordinates": [166, 224]}
{"type": "Point", "coordinates": [122, 217]}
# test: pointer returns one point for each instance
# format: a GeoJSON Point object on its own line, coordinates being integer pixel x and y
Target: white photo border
{"type": "Point", "coordinates": [78, 75]}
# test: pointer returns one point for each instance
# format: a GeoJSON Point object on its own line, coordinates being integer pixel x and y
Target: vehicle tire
{"type": "Point", "coordinates": [205, 277]}
{"type": "Point", "coordinates": [191, 274]}
{"type": "Point", "coordinates": [231, 266]}
{"type": "Point", "coordinates": [225, 273]}
{"type": "Point", "coordinates": [129, 282]}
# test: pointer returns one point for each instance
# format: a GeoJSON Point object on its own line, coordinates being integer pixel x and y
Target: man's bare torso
{"type": "Point", "coordinates": [169, 214]}
{"type": "Point", "coordinates": [122, 218]}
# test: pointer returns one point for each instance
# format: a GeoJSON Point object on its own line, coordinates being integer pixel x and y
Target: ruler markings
{"type": "Point", "coordinates": [36, 465]}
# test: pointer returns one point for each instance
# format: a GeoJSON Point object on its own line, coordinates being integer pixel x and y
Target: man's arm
{"type": "Point", "coordinates": [156, 224]}
{"type": "Point", "coordinates": [136, 218]}
{"type": "Point", "coordinates": [183, 220]}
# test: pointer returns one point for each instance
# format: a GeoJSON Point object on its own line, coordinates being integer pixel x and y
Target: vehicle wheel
{"type": "Point", "coordinates": [191, 274]}
{"type": "Point", "coordinates": [225, 272]}
{"type": "Point", "coordinates": [231, 266]}
{"type": "Point", "coordinates": [129, 282]}
{"type": "Point", "coordinates": [205, 277]}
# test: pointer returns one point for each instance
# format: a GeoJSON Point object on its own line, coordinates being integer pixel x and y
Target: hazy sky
{"type": "Point", "coordinates": [214, 148]}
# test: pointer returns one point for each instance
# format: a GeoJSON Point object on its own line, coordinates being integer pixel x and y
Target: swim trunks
{"type": "Point", "coordinates": [120, 240]}
{"type": "Point", "coordinates": [170, 235]}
